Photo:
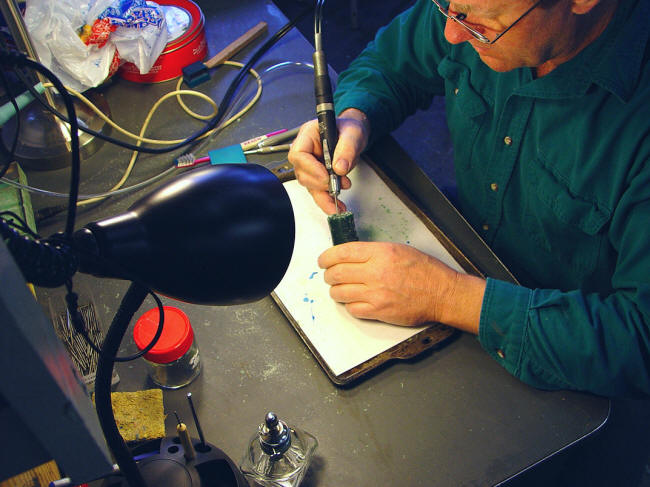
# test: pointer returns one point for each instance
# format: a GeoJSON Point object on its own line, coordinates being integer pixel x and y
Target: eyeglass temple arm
{"type": "Point", "coordinates": [516, 21]}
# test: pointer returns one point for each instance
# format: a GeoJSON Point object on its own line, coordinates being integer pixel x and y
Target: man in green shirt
{"type": "Point", "coordinates": [548, 107]}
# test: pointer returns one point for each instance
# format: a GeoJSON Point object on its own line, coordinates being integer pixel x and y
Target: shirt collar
{"type": "Point", "coordinates": [612, 61]}
{"type": "Point", "coordinates": [617, 64]}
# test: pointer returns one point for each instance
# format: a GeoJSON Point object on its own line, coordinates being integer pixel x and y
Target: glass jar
{"type": "Point", "coordinates": [174, 360]}
{"type": "Point", "coordinates": [278, 456]}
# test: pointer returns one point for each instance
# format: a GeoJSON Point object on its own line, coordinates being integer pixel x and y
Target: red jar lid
{"type": "Point", "coordinates": [176, 338]}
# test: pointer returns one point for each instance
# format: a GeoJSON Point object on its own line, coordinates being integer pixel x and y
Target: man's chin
{"type": "Point", "coordinates": [495, 63]}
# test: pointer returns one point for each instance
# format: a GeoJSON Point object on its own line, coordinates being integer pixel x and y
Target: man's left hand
{"type": "Point", "coordinates": [398, 284]}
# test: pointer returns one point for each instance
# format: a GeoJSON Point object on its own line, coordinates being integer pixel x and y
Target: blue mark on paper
{"type": "Point", "coordinates": [307, 299]}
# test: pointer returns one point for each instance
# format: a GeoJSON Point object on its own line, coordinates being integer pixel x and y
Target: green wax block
{"type": "Point", "coordinates": [342, 228]}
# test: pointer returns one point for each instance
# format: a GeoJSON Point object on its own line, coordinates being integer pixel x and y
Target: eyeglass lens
{"type": "Point", "coordinates": [459, 17]}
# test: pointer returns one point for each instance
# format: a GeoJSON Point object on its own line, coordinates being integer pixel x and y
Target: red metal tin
{"type": "Point", "coordinates": [188, 47]}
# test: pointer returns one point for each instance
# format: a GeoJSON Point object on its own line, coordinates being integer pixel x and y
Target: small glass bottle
{"type": "Point", "coordinates": [174, 360]}
{"type": "Point", "coordinates": [278, 456]}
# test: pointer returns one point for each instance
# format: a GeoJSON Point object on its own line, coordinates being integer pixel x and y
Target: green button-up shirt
{"type": "Point", "coordinates": [554, 174]}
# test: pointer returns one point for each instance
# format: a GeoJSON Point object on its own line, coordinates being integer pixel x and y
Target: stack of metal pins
{"type": "Point", "coordinates": [81, 353]}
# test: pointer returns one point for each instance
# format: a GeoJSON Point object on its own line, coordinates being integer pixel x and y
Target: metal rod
{"type": "Point", "coordinates": [196, 419]}
{"type": "Point", "coordinates": [17, 27]}
{"type": "Point", "coordinates": [18, 30]}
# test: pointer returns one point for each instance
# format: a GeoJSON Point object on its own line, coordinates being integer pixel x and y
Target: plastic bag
{"type": "Point", "coordinates": [83, 42]}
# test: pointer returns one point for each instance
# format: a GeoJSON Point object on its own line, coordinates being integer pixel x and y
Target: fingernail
{"type": "Point", "coordinates": [342, 166]}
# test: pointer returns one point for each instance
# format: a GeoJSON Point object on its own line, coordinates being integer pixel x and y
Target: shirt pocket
{"type": "Point", "coordinates": [466, 110]}
{"type": "Point", "coordinates": [569, 228]}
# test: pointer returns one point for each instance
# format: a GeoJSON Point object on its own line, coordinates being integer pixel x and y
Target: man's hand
{"type": "Point", "coordinates": [306, 155]}
{"type": "Point", "coordinates": [398, 284]}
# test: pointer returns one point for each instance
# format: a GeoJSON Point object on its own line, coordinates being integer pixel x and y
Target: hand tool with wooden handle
{"type": "Point", "coordinates": [198, 72]}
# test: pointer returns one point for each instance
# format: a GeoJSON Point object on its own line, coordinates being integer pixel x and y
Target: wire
{"type": "Point", "coordinates": [239, 113]}
{"type": "Point", "coordinates": [19, 59]}
{"type": "Point", "coordinates": [14, 144]}
{"type": "Point", "coordinates": [318, 20]}
{"type": "Point", "coordinates": [17, 222]}
{"type": "Point", "coordinates": [222, 107]}
{"type": "Point", "coordinates": [72, 298]}
{"type": "Point", "coordinates": [166, 172]}
{"type": "Point", "coordinates": [87, 199]}
{"type": "Point", "coordinates": [287, 64]}
{"type": "Point", "coordinates": [84, 197]}
{"type": "Point", "coordinates": [213, 122]}
{"type": "Point", "coordinates": [139, 137]}
{"type": "Point", "coordinates": [177, 93]}
{"type": "Point", "coordinates": [120, 143]}
{"type": "Point", "coordinates": [262, 50]}
{"type": "Point", "coordinates": [80, 324]}
{"type": "Point", "coordinates": [189, 156]}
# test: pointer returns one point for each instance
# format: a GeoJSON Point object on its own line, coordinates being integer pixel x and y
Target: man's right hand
{"type": "Point", "coordinates": [306, 155]}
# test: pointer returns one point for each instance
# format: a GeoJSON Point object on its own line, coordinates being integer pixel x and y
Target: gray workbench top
{"type": "Point", "coordinates": [448, 417]}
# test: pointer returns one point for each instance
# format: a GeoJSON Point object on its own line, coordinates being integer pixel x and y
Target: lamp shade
{"type": "Point", "coordinates": [216, 235]}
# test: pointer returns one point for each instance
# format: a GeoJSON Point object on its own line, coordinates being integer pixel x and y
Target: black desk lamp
{"type": "Point", "coordinates": [217, 235]}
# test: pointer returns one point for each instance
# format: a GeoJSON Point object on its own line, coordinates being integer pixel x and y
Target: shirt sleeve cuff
{"type": "Point", "coordinates": [369, 105]}
{"type": "Point", "coordinates": [503, 324]}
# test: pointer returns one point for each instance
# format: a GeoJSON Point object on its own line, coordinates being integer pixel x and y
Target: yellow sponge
{"type": "Point", "coordinates": [139, 415]}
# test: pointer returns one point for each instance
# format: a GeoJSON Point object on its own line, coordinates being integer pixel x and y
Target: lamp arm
{"type": "Point", "coordinates": [131, 302]}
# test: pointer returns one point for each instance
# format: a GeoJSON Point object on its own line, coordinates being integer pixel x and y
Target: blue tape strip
{"type": "Point", "coordinates": [232, 154]}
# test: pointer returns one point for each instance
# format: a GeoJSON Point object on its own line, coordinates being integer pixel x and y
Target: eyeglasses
{"type": "Point", "coordinates": [459, 18]}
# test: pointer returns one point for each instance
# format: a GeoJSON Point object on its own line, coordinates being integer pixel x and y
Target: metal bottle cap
{"type": "Point", "coordinates": [275, 436]}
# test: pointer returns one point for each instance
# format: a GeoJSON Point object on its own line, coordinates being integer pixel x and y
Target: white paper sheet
{"type": "Point", "coordinates": [342, 340]}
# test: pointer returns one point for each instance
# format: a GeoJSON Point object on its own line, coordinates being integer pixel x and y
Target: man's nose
{"type": "Point", "coordinates": [456, 33]}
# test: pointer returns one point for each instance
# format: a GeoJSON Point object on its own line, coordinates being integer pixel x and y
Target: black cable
{"type": "Point", "coordinates": [227, 99]}
{"type": "Point", "coordinates": [18, 223]}
{"type": "Point", "coordinates": [55, 262]}
{"type": "Point", "coordinates": [71, 297]}
{"type": "Point", "coordinates": [318, 21]}
{"type": "Point", "coordinates": [14, 59]}
{"type": "Point", "coordinates": [12, 98]}
{"type": "Point", "coordinates": [13, 238]}
{"type": "Point", "coordinates": [80, 325]}
{"type": "Point", "coordinates": [12, 152]}
{"type": "Point", "coordinates": [212, 123]}
{"type": "Point", "coordinates": [156, 337]}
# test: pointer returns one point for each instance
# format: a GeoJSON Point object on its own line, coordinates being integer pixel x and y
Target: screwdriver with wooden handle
{"type": "Point", "coordinates": [186, 441]}
{"type": "Point", "coordinates": [198, 72]}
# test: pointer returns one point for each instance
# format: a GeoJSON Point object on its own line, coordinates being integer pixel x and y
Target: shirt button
{"type": "Point", "coordinates": [507, 140]}
{"type": "Point", "coordinates": [494, 187]}
{"type": "Point", "coordinates": [486, 227]}
{"type": "Point", "coordinates": [501, 354]}
{"type": "Point", "coordinates": [455, 91]}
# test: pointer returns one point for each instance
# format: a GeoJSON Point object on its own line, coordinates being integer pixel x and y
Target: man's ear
{"type": "Point", "coordinates": [580, 7]}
